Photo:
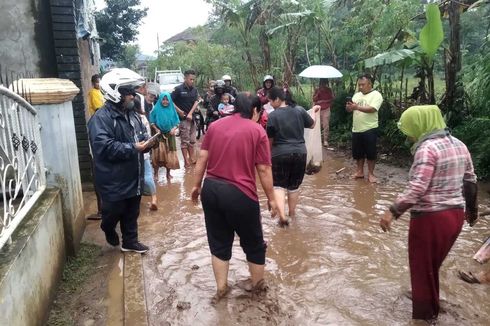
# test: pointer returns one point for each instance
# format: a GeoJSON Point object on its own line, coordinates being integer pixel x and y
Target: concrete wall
{"type": "Point", "coordinates": [26, 41]}
{"type": "Point", "coordinates": [31, 267]}
{"type": "Point", "coordinates": [61, 161]}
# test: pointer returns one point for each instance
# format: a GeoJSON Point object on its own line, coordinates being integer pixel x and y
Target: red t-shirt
{"type": "Point", "coordinates": [235, 146]}
{"type": "Point", "coordinates": [323, 96]}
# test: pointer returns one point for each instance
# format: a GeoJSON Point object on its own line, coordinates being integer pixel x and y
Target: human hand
{"type": "Point", "coordinates": [188, 117]}
{"type": "Point", "coordinates": [196, 191]}
{"type": "Point", "coordinates": [173, 132]}
{"type": "Point", "coordinates": [316, 108]}
{"type": "Point", "coordinates": [141, 146]}
{"type": "Point", "coordinates": [385, 221]}
{"type": "Point", "coordinates": [272, 207]}
{"type": "Point", "coordinates": [349, 106]}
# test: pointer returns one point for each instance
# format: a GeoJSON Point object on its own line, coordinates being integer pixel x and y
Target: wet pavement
{"type": "Point", "coordinates": [332, 266]}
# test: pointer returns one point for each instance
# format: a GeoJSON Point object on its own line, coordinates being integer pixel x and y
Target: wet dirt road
{"type": "Point", "coordinates": [332, 266]}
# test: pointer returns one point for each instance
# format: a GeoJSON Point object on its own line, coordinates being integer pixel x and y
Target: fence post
{"type": "Point", "coordinates": [52, 98]}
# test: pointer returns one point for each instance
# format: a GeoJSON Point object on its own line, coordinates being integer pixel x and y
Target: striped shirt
{"type": "Point", "coordinates": [440, 166]}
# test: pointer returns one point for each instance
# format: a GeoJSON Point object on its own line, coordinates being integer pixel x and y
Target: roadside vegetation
{"type": "Point", "coordinates": [76, 272]}
{"type": "Point", "coordinates": [419, 53]}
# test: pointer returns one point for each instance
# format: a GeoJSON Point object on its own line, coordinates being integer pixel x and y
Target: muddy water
{"type": "Point", "coordinates": [333, 265]}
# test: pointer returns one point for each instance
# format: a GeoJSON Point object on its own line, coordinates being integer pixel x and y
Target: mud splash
{"type": "Point", "coordinates": [333, 265]}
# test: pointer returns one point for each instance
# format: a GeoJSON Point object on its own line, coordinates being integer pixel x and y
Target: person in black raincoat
{"type": "Point", "coordinates": [118, 139]}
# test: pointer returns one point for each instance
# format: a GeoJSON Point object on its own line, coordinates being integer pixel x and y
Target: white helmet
{"type": "Point", "coordinates": [118, 79]}
{"type": "Point", "coordinates": [226, 77]}
{"type": "Point", "coordinates": [268, 77]}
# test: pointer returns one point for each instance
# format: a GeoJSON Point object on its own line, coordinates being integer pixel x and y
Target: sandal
{"type": "Point", "coordinates": [468, 277]}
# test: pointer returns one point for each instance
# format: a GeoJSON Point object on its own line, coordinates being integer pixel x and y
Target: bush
{"type": "Point", "coordinates": [475, 133]}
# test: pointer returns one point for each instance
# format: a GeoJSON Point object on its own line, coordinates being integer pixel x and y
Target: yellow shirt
{"type": "Point", "coordinates": [95, 101]}
{"type": "Point", "coordinates": [362, 121]}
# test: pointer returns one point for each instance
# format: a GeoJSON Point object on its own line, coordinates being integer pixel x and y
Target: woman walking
{"type": "Point", "coordinates": [285, 129]}
{"type": "Point", "coordinates": [232, 150]}
{"type": "Point", "coordinates": [441, 185]}
{"type": "Point", "coordinates": [164, 119]}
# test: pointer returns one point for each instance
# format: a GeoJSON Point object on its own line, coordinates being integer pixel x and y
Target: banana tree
{"type": "Point", "coordinates": [430, 39]}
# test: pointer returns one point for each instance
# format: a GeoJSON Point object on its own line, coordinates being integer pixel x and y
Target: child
{"type": "Point", "coordinates": [225, 108]}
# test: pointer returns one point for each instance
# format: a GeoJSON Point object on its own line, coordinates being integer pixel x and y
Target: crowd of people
{"type": "Point", "coordinates": [261, 133]}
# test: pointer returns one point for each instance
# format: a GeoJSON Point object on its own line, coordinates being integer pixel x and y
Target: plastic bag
{"type": "Point", "coordinates": [313, 142]}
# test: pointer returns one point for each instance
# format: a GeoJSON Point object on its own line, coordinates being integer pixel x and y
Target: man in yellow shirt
{"type": "Point", "coordinates": [365, 105]}
{"type": "Point", "coordinates": [95, 97]}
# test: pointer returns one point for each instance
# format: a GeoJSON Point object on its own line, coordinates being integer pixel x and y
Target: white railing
{"type": "Point", "coordinates": [22, 175]}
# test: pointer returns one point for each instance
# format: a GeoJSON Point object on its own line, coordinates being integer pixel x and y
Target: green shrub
{"type": "Point", "coordinates": [475, 133]}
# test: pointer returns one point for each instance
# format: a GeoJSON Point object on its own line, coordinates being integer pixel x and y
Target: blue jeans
{"type": "Point", "coordinates": [149, 187]}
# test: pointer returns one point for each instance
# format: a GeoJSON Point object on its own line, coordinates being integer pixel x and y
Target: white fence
{"type": "Point", "coordinates": [22, 173]}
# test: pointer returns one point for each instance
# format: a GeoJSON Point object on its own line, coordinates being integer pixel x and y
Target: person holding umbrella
{"type": "Point", "coordinates": [323, 97]}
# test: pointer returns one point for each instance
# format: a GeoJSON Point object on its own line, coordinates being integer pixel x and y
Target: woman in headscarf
{"type": "Point", "coordinates": [442, 183]}
{"type": "Point", "coordinates": [164, 118]}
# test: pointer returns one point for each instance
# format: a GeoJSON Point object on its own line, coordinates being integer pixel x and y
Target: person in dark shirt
{"type": "Point", "coordinates": [229, 88]}
{"type": "Point", "coordinates": [285, 129]}
{"type": "Point", "coordinates": [185, 98]}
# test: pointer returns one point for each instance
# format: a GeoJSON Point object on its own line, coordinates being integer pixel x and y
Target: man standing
{"type": "Point", "coordinates": [185, 98]}
{"type": "Point", "coordinates": [118, 140]}
{"type": "Point", "coordinates": [228, 86]}
{"type": "Point", "coordinates": [365, 105]}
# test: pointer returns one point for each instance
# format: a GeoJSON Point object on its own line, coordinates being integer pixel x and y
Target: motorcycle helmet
{"type": "Point", "coordinates": [119, 82]}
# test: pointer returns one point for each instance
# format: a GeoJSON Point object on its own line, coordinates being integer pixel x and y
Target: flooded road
{"type": "Point", "coordinates": [332, 266]}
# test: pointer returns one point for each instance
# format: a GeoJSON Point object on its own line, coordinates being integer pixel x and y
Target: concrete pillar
{"type": "Point", "coordinates": [60, 152]}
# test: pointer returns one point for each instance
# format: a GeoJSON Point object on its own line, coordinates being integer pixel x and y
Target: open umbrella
{"type": "Point", "coordinates": [321, 71]}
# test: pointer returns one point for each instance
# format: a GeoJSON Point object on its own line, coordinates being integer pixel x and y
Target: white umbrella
{"type": "Point", "coordinates": [321, 72]}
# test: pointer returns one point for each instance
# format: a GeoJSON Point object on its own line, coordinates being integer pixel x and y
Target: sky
{"type": "Point", "coordinates": [167, 18]}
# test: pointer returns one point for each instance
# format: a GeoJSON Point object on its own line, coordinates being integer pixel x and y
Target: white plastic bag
{"type": "Point", "coordinates": [313, 142]}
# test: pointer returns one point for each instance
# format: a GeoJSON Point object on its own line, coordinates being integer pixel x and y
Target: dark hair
{"type": "Point", "coordinates": [276, 93]}
{"type": "Point", "coordinates": [368, 77]}
{"type": "Point", "coordinates": [289, 99]}
{"type": "Point", "coordinates": [189, 72]}
{"type": "Point", "coordinates": [243, 105]}
{"type": "Point", "coordinates": [95, 78]}
{"type": "Point", "coordinates": [256, 102]}
{"type": "Point", "coordinates": [137, 106]}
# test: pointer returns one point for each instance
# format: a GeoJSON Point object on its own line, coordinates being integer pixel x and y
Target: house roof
{"type": "Point", "coordinates": [186, 35]}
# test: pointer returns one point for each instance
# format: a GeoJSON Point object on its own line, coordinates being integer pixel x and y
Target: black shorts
{"type": "Point", "coordinates": [288, 170]}
{"type": "Point", "coordinates": [228, 210]}
{"type": "Point", "coordinates": [364, 144]}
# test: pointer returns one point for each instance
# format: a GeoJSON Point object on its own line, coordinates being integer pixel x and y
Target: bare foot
{"type": "Point", "coordinates": [358, 176]}
{"type": "Point", "coordinates": [245, 284]}
{"type": "Point", "coordinates": [372, 178]}
{"type": "Point", "coordinates": [220, 294]}
{"type": "Point", "coordinates": [283, 223]}
{"type": "Point", "coordinates": [259, 288]}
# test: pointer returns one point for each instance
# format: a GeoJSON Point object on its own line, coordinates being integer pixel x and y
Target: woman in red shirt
{"type": "Point", "coordinates": [323, 96]}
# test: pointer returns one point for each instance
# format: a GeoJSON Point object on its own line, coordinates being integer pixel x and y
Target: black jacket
{"type": "Point", "coordinates": [119, 167]}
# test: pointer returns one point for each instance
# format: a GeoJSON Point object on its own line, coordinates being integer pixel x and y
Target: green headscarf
{"type": "Point", "coordinates": [165, 117]}
{"type": "Point", "coordinates": [421, 120]}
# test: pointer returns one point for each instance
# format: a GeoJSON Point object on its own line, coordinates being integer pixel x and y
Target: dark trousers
{"type": "Point", "coordinates": [126, 212]}
{"type": "Point", "coordinates": [430, 238]}
{"type": "Point", "coordinates": [228, 210]}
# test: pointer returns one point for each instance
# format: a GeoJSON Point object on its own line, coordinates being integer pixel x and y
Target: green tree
{"type": "Point", "coordinates": [117, 25]}
{"type": "Point", "coordinates": [129, 53]}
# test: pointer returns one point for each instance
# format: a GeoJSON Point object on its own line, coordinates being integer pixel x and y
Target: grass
{"type": "Point", "coordinates": [76, 272]}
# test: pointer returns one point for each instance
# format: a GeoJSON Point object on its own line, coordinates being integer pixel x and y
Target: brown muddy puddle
{"type": "Point", "coordinates": [332, 266]}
